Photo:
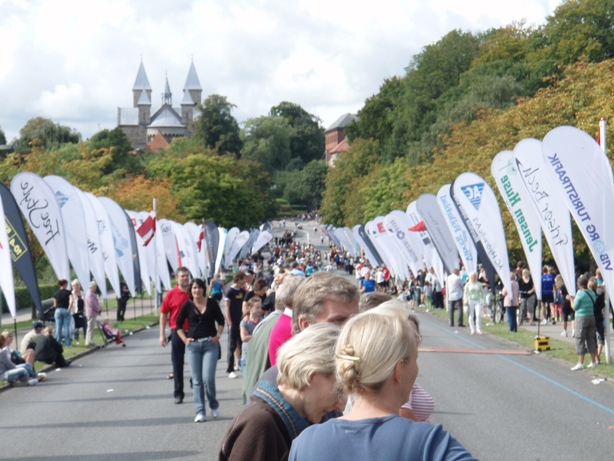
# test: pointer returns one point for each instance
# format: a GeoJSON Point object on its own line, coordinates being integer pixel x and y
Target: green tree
{"type": "Point", "coordinates": [577, 28]}
{"type": "Point", "coordinates": [307, 139]}
{"type": "Point", "coordinates": [48, 133]}
{"type": "Point", "coordinates": [266, 140]}
{"type": "Point", "coordinates": [2, 137]}
{"type": "Point", "coordinates": [118, 144]}
{"type": "Point", "coordinates": [216, 127]}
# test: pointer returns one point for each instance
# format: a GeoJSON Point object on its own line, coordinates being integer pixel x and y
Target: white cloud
{"type": "Point", "coordinates": [76, 61]}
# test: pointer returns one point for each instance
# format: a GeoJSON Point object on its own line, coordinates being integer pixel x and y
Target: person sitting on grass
{"type": "Point", "coordinates": [16, 374]}
{"type": "Point", "coordinates": [49, 351]}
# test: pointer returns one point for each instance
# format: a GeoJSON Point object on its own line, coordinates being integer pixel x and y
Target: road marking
{"type": "Point", "coordinates": [536, 373]}
{"type": "Point", "coordinates": [458, 350]}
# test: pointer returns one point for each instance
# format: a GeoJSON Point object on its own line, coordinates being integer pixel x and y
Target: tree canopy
{"type": "Point", "coordinates": [216, 127]}
{"type": "Point", "coordinates": [47, 133]}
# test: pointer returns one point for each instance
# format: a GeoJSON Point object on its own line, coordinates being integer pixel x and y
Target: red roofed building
{"type": "Point", "coordinates": [335, 140]}
{"type": "Point", "coordinates": [157, 143]}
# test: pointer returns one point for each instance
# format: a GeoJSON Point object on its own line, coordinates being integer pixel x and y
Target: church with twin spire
{"type": "Point", "coordinates": [168, 122]}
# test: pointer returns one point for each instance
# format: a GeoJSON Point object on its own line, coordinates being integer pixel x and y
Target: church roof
{"type": "Point", "coordinates": [342, 121]}
{"type": "Point", "coordinates": [144, 99]}
{"type": "Point", "coordinates": [158, 142]}
{"type": "Point", "coordinates": [166, 117]}
{"type": "Point", "coordinates": [343, 146]}
{"type": "Point", "coordinates": [187, 99]}
{"type": "Point", "coordinates": [141, 79]}
{"type": "Point", "coordinates": [128, 116]}
{"type": "Point", "coordinates": [192, 82]}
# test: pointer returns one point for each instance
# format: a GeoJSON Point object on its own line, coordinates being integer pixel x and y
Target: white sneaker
{"type": "Point", "coordinates": [32, 382]}
{"type": "Point", "coordinates": [544, 322]}
{"type": "Point", "coordinates": [564, 334]}
{"type": "Point", "coordinates": [592, 365]}
{"type": "Point", "coordinates": [579, 366]}
{"type": "Point", "coordinates": [200, 418]}
{"type": "Point", "coordinates": [573, 333]}
{"type": "Point", "coordinates": [215, 413]}
{"type": "Point", "coordinates": [232, 375]}
{"type": "Point", "coordinates": [237, 368]}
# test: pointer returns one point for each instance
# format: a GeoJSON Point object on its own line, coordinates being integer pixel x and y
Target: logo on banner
{"type": "Point", "coordinates": [474, 193]}
{"type": "Point", "coordinates": [18, 247]}
{"type": "Point", "coordinates": [380, 227]}
{"type": "Point", "coordinates": [62, 199]}
{"type": "Point", "coordinates": [400, 235]}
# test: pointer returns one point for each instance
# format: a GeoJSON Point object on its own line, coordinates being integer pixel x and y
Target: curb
{"type": "Point", "coordinates": [78, 356]}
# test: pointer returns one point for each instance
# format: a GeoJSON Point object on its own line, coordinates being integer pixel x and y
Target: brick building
{"type": "Point", "coordinates": [335, 140]}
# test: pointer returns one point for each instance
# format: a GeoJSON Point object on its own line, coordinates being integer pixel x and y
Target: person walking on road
{"type": "Point", "coordinates": [455, 296]}
{"type": "Point", "coordinates": [586, 340]}
{"type": "Point", "coordinates": [234, 313]}
{"type": "Point", "coordinates": [173, 300]}
{"type": "Point", "coordinates": [92, 311]}
{"type": "Point", "coordinates": [62, 299]}
{"type": "Point", "coordinates": [202, 344]}
{"type": "Point", "coordinates": [474, 299]}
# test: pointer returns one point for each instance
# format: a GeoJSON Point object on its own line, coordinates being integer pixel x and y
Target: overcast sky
{"type": "Point", "coordinates": [75, 61]}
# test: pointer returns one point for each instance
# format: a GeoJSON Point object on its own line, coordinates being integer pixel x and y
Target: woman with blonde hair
{"type": "Point", "coordinates": [376, 362]}
{"type": "Point", "coordinates": [306, 389]}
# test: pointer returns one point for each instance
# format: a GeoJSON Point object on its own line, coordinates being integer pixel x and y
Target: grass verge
{"type": "Point", "coordinates": [558, 349]}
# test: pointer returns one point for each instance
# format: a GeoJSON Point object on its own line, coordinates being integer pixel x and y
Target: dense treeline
{"type": "Point", "coordinates": [466, 98]}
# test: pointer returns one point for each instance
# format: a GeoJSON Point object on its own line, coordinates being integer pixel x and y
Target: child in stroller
{"type": "Point", "coordinates": [111, 334]}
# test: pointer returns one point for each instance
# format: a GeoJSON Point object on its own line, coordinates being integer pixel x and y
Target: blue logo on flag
{"type": "Point", "coordinates": [474, 193]}
{"type": "Point", "coordinates": [62, 199]}
{"type": "Point", "coordinates": [400, 235]}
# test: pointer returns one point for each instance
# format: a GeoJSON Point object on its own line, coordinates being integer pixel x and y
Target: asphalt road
{"type": "Point", "coordinates": [116, 404]}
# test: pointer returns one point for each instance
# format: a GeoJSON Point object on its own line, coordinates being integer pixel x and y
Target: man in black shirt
{"type": "Point", "coordinates": [234, 314]}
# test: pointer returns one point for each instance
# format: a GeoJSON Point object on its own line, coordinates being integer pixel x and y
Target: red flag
{"type": "Point", "coordinates": [148, 228]}
{"type": "Point", "coordinates": [420, 227]}
{"type": "Point", "coordinates": [201, 236]}
{"type": "Point", "coordinates": [380, 227]}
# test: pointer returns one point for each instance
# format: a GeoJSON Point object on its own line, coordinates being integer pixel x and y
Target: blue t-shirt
{"type": "Point", "coordinates": [391, 437]}
{"type": "Point", "coordinates": [547, 284]}
{"type": "Point", "coordinates": [369, 285]}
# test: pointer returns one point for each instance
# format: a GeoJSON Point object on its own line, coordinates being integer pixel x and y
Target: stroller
{"type": "Point", "coordinates": [110, 334]}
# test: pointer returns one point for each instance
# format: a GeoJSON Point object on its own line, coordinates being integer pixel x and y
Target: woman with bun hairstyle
{"type": "Point", "coordinates": [376, 362]}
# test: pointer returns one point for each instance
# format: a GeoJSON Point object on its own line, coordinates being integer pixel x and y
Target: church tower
{"type": "Point", "coordinates": [141, 84]}
{"type": "Point", "coordinates": [192, 96]}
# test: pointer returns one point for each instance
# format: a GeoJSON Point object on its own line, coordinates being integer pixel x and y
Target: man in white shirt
{"type": "Point", "coordinates": [455, 296]}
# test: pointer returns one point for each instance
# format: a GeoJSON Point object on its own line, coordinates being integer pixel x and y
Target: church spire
{"type": "Point", "coordinates": [192, 82]}
{"type": "Point", "coordinates": [167, 96]}
{"type": "Point", "coordinates": [141, 82]}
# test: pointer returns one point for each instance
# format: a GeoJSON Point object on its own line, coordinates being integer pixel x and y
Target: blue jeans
{"type": "Point", "coordinates": [511, 318]}
{"type": "Point", "coordinates": [62, 321]}
{"type": "Point", "coordinates": [21, 371]}
{"type": "Point", "coordinates": [242, 364]}
{"type": "Point", "coordinates": [202, 359]}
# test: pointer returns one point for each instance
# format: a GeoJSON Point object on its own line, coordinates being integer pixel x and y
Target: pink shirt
{"type": "Point", "coordinates": [282, 332]}
{"type": "Point", "coordinates": [420, 403]}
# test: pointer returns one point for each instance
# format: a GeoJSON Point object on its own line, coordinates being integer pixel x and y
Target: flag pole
{"type": "Point", "coordinates": [606, 314]}
{"type": "Point", "coordinates": [155, 236]}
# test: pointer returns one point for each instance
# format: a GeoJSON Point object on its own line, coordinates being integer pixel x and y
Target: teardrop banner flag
{"type": "Point", "coordinates": [20, 246]}
{"type": "Point", "coordinates": [520, 206]}
{"type": "Point", "coordinates": [136, 261]}
{"type": "Point", "coordinates": [232, 234]}
{"type": "Point", "coordinates": [397, 223]}
{"type": "Point", "coordinates": [212, 237]}
{"type": "Point", "coordinates": [42, 212]}
{"type": "Point", "coordinates": [438, 230]}
{"type": "Point", "coordinates": [76, 231]}
{"type": "Point", "coordinates": [345, 243]}
{"type": "Point", "coordinates": [223, 233]}
{"type": "Point", "coordinates": [430, 253]}
{"type": "Point", "coordinates": [141, 249]}
{"type": "Point", "coordinates": [7, 284]}
{"type": "Point", "coordinates": [365, 242]}
{"type": "Point", "coordinates": [349, 238]}
{"type": "Point", "coordinates": [478, 200]}
{"type": "Point", "coordinates": [462, 238]}
{"type": "Point", "coordinates": [120, 230]}
{"type": "Point", "coordinates": [379, 236]}
{"type": "Point", "coordinates": [582, 177]}
{"type": "Point", "coordinates": [362, 243]}
{"type": "Point", "coordinates": [106, 241]}
{"type": "Point", "coordinates": [551, 211]}
{"type": "Point", "coordinates": [187, 248]}
{"type": "Point", "coordinates": [170, 244]}
{"type": "Point", "coordinates": [161, 261]}
{"type": "Point", "coordinates": [330, 232]}
{"type": "Point", "coordinates": [253, 236]}
{"type": "Point", "coordinates": [194, 232]}
{"type": "Point", "coordinates": [264, 238]}
{"type": "Point", "coordinates": [94, 248]}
